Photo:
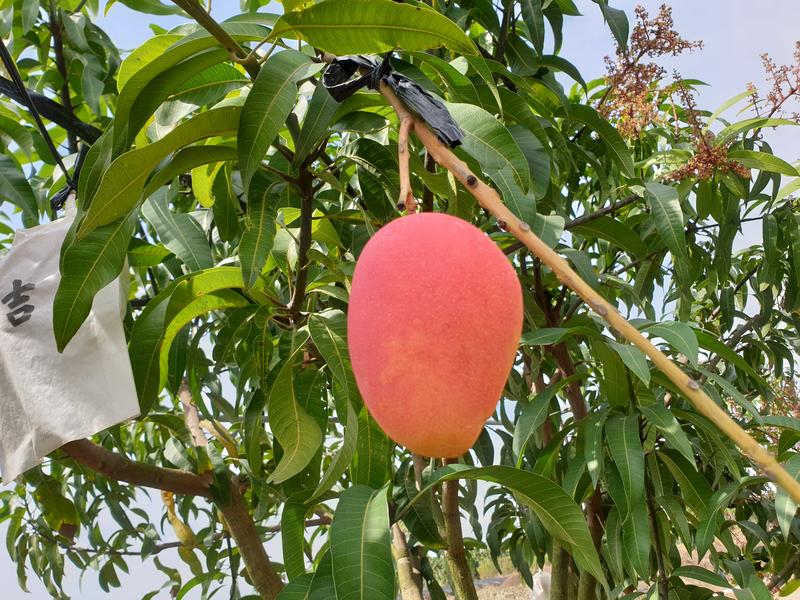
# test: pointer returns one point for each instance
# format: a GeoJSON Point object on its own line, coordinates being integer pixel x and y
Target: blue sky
{"type": "Point", "coordinates": [735, 33]}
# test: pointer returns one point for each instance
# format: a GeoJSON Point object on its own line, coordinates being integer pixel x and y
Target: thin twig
{"type": "Point", "coordinates": [490, 200]}
{"type": "Point", "coordinates": [304, 243]}
{"type": "Point", "coordinates": [196, 10]}
{"type": "Point", "coordinates": [583, 219]}
{"type": "Point", "coordinates": [406, 199]}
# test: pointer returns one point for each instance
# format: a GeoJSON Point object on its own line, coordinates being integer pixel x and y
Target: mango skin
{"type": "Point", "coordinates": [434, 322]}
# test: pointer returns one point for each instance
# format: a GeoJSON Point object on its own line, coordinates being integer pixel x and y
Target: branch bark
{"type": "Point", "coordinates": [306, 210]}
{"type": "Point", "coordinates": [463, 583]}
{"type": "Point", "coordinates": [57, 30]}
{"type": "Point", "coordinates": [405, 568]}
{"type": "Point", "coordinates": [490, 200]}
{"type": "Point", "coordinates": [52, 111]}
{"type": "Point", "coordinates": [120, 468]}
{"type": "Point", "coordinates": [196, 10]}
{"type": "Point", "coordinates": [263, 575]}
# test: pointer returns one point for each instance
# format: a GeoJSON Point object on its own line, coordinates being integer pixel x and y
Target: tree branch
{"type": "Point", "coordinates": [489, 199]}
{"type": "Point", "coordinates": [120, 468]}
{"type": "Point", "coordinates": [463, 582]}
{"type": "Point", "coordinates": [251, 548]}
{"type": "Point", "coordinates": [306, 210]}
{"type": "Point", "coordinates": [195, 10]}
{"type": "Point", "coordinates": [583, 219]}
{"type": "Point", "coordinates": [57, 30]}
{"type": "Point", "coordinates": [405, 568]}
{"type": "Point", "coordinates": [52, 111]}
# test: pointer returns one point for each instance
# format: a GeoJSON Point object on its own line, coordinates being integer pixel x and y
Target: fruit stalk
{"type": "Point", "coordinates": [489, 199]}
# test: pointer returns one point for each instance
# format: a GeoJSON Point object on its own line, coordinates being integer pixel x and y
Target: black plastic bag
{"type": "Point", "coordinates": [338, 80]}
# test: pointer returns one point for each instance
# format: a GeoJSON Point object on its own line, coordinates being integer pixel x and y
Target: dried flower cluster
{"type": "Point", "coordinates": [632, 97]}
{"type": "Point", "coordinates": [709, 158]}
{"type": "Point", "coordinates": [785, 80]}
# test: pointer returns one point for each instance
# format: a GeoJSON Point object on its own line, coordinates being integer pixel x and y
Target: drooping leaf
{"type": "Point", "coordinates": [87, 267]}
{"type": "Point", "coordinates": [667, 216]}
{"type": "Point", "coordinates": [534, 19]}
{"type": "Point", "coordinates": [297, 432]}
{"type": "Point", "coordinates": [625, 446]}
{"type": "Point", "coordinates": [259, 229]}
{"type": "Point", "coordinates": [361, 556]}
{"type": "Point", "coordinates": [660, 416]}
{"type": "Point", "coordinates": [179, 232]}
{"type": "Point", "coordinates": [490, 143]}
{"type": "Point", "coordinates": [557, 511]}
{"type": "Point", "coordinates": [15, 189]}
{"type": "Point", "coordinates": [785, 507]}
{"type": "Point", "coordinates": [634, 359]}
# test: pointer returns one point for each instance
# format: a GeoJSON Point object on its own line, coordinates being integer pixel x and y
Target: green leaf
{"type": "Point", "coordinates": [371, 465]}
{"type": "Point", "coordinates": [617, 22]}
{"type": "Point", "coordinates": [762, 161]}
{"type": "Point", "coordinates": [634, 359]}
{"type": "Point", "coordinates": [88, 265]}
{"type": "Point", "coordinates": [179, 232]}
{"type": "Point", "coordinates": [665, 208]}
{"type": "Point", "coordinates": [184, 161]}
{"type": "Point", "coordinates": [785, 507]}
{"type": "Point", "coordinates": [755, 590]}
{"type": "Point", "coordinates": [544, 337]}
{"type": "Point", "coordinates": [694, 488]}
{"type": "Point", "coordinates": [660, 416]}
{"type": "Point", "coordinates": [361, 555]}
{"type": "Point", "coordinates": [142, 254]}
{"type": "Point", "coordinates": [321, 587]}
{"type": "Point", "coordinates": [329, 332]}
{"type": "Point", "coordinates": [614, 231]}
{"type": "Point", "coordinates": [14, 188]}
{"type": "Point", "coordinates": [700, 574]}
{"type": "Point", "coordinates": [268, 104]}
{"type": "Point", "coordinates": [622, 436]}
{"type": "Point", "coordinates": [594, 446]}
{"type": "Point", "coordinates": [534, 19]}
{"type": "Point", "coordinates": [490, 143]}
{"type": "Point", "coordinates": [731, 131]}
{"type": "Point", "coordinates": [166, 55]}
{"type": "Point", "coordinates": [120, 189]}
{"type": "Point", "coordinates": [711, 343]}
{"type": "Point", "coordinates": [341, 460]}
{"type": "Point", "coordinates": [420, 518]}
{"type": "Point", "coordinates": [226, 205]}
{"type": "Point", "coordinates": [372, 27]}
{"type": "Point", "coordinates": [617, 149]}
{"type": "Point", "coordinates": [557, 511]}
{"type": "Point", "coordinates": [615, 386]}
{"type": "Point", "coordinates": [259, 230]}
{"type": "Point", "coordinates": [679, 335]}
{"type": "Point", "coordinates": [297, 432]}
{"type": "Point", "coordinates": [293, 526]}
{"type": "Point", "coordinates": [297, 589]}
{"type": "Point", "coordinates": [319, 116]}
{"type": "Point", "coordinates": [636, 537]}
{"type": "Point", "coordinates": [533, 415]}
{"type": "Point", "coordinates": [769, 268]}
{"type": "Point", "coordinates": [131, 117]}
{"type": "Point", "coordinates": [163, 317]}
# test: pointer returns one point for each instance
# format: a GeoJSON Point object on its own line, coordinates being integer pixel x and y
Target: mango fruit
{"type": "Point", "coordinates": [434, 322]}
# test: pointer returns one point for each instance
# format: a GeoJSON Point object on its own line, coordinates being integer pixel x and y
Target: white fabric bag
{"type": "Point", "coordinates": [48, 399]}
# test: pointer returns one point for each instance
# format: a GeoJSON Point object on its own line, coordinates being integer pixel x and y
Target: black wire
{"type": "Point", "coordinates": [13, 72]}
